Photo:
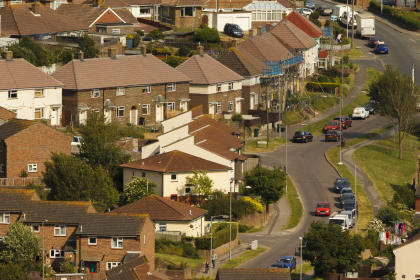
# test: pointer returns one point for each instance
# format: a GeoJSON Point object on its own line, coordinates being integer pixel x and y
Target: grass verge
{"type": "Point", "coordinates": [252, 146]}
{"type": "Point", "coordinates": [295, 205]}
{"type": "Point", "coordinates": [365, 137]}
{"type": "Point", "coordinates": [365, 208]}
{"type": "Point", "coordinates": [381, 164]}
{"type": "Point", "coordinates": [307, 271]}
{"type": "Point", "coordinates": [177, 260]}
{"type": "Point", "coordinates": [352, 53]}
{"type": "Point", "coordinates": [243, 258]}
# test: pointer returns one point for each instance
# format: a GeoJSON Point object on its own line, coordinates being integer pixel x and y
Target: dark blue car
{"type": "Point", "coordinates": [285, 262]}
{"type": "Point", "coordinates": [382, 48]}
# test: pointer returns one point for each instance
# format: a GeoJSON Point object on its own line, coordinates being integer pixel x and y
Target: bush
{"type": "Point", "coordinates": [32, 52]}
{"type": "Point", "coordinates": [221, 236]}
{"type": "Point", "coordinates": [405, 195]}
{"type": "Point", "coordinates": [131, 131]}
{"type": "Point", "coordinates": [388, 215]}
{"type": "Point", "coordinates": [183, 51]}
{"type": "Point", "coordinates": [174, 61]}
{"type": "Point", "coordinates": [219, 205]}
{"type": "Point", "coordinates": [88, 47]}
{"type": "Point", "coordinates": [237, 118]}
{"type": "Point", "coordinates": [181, 249]}
{"type": "Point", "coordinates": [206, 34]}
{"type": "Point", "coordinates": [326, 87]}
{"type": "Point", "coordinates": [244, 228]}
{"type": "Point", "coordinates": [156, 34]}
{"type": "Point", "coordinates": [255, 203]}
{"type": "Point", "coordinates": [407, 19]}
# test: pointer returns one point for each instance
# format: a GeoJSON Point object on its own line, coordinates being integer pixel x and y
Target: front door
{"type": "Point", "coordinates": [107, 115]}
{"type": "Point", "coordinates": [91, 267]}
{"type": "Point", "coordinates": [54, 116]}
{"type": "Point", "coordinates": [159, 112]}
{"type": "Point", "coordinates": [211, 109]}
{"type": "Point", "coordinates": [251, 102]}
{"type": "Point", "coordinates": [82, 117]}
{"type": "Point", "coordinates": [133, 116]}
{"type": "Point", "coordinates": [238, 106]}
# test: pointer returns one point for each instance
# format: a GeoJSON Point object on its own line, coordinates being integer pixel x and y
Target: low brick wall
{"type": "Point", "coordinates": [219, 251]}
{"type": "Point", "coordinates": [257, 219]}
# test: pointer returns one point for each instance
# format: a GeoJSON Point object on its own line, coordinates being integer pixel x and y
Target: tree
{"type": "Point", "coordinates": [12, 271]}
{"type": "Point", "coordinates": [206, 34]}
{"type": "Point", "coordinates": [72, 178]}
{"type": "Point", "coordinates": [98, 146]}
{"type": "Point", "coordinates": [32, 52]}
{"type": "Point", "coordinates": [269, 184]}
{"type": "Point", "coordinates": [202, 183]}
{"type": "Point", "coordinates": [329, 248]}
{"type": "Point", "coordinates": [20, 245]}
{"type": "Point", "coordinates": [88, 47]}
{"type": "Point", "coordinates": [137, 189]}
{"type": "Point", "coordinates": [396, 97]}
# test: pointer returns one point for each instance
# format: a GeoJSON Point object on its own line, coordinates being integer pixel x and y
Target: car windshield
{"type": "Point", "coordinates": [75, 139]}
{"type": "Point", "coordinates": [299, 133]}
{"type": "Point", "coordinates": [323, 205]}
{"type": "Point", "coordinates": [284, 260]}
{"type": "Point", "coordinates": [347, 191]}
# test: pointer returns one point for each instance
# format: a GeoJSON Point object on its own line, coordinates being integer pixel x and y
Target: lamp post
{"type": "Point", "coordinates": [211, 232]}
{"type": "Point", "coordinates": [341, 105]}
{"type": "Point", "coordinates": [286, 155]}
{"type": "Point", "coordinates": [230, 220]}
{"type": "Point", "coordinates": [301, 259]}
{"type": "Point", "coordinates": [43, 249]}
{"type": "Point", "coordinates": [355, 195]}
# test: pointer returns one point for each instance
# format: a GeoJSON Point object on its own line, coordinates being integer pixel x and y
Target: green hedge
{"type": "Point", "coordinates": [407, 19]}
{"type": "Point", "coordinates": [219, 205]}
{"type": "Point", "coordinates": [181, 249]}
{"type": "Point", "coordinates": [328, 87]}
{"type": "Point", "coordinates": [220, 236]}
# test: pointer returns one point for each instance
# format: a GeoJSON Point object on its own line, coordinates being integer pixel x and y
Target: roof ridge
{"type": "Point", "coordinates": [173, 154]}
{"type": "Point", "coordinates": [14, 19]}
{"type": "Point", "coordinates": [10, 74]}
{"type": "Point", "coordinates": [201, 70]}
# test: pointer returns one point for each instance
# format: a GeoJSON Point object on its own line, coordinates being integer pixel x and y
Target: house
{"type": "Point", "coordinates": [127, 89]}
{"type": "Point", "coordinates": [36, 20]}
{"type": "Point", "coordinates": [293, 37]}
{"type": "Point", "coordinates": [213, 85]}
{"type": "Point", "coordinates": [168, 215]}
{"type": "Point", "coordinates": [28, 92]}
{"type": "Point", "coordinates": [182, 13]}
{"type": "Point", "coordinates": [74, 231]}
{"type": "Point", "coordinates": [253, 274]}
{"type": "Point", "coordinates": [323, 59]}
{"type": "Point", "coordinates": [407, 259]}
{"type": "Point", "coordinates": [268, 12]}
{"type": "Point", "coordinates": [26, 145]}
{"type": "Point", "coordinates": [170, 170]}
{"type": "Point", "coordinates": [135, 269]}
{"type": "Point", "coordinates": [141, 9]}
{"type": "Point", "coordinates": [6, 115]}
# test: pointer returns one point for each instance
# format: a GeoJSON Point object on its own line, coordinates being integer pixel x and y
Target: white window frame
{"type": "Point", "coordinates": [182, 12]}
{"type": "Point", "coordinates": [174, 179]}
{"type": "Point", "coordinates": [39, 90]}
{"type": "Point", "coordinates": [116, 31]}
{"type": "Point", "coordinates": [96, 93]}
{"type": "Point", "coordinates": [12, 94]}
{"type": "Point", "coordinates": [256, 99]}
{"type": "Point", "coordinates": [170, 106]}
{"type": "Point", "coordinates": [111, 265]}
{"type": "Point", "coordinates": [171, 87]}
{"type": "Point", "coordinates": [219, 87]}
{"type": "Point", "coordinates": [119, 112]}
{"type": "Point", "coordinates": [120, 91]}
{"type": "Point", "coordinates": [32, 167]}
{"type": "Point", "coordinates": [230, 106]}
{"type": "Point", "coordinates": [33, 228]}
{"type": "Point", "coordinates": [163, 227]}
{"type": "Point", "coordinates": [144, 14]}
{"type": "Point", "coordinates": [91, 243]}
{"type": "Point", "coordinates": [147, 107]}
{"type": "Point", "coordinates": [230, 85]}
{"type": "Point", "coordinates": [56, 254]}
{"type": "Point", "coordinates": [146, 89]}
{"type": "Point", "coordinates": [41, 113]}
{"type": "Point", "coordinates": [61, 230]}
{"type": "Point", "coordinates": [218, 108]}
{"type": "Point", "coordinates": [117, 241]}
{"type": "Point", "coordinates": [3, 217]}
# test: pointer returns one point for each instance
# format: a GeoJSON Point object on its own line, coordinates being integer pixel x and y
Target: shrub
{"type": "Point", "coordinates": [219, 205]}
{"type": "Point", "coordinates": [156, 34]}
{"type": "Point", "coordinates": [404, 195]}
{"type": "Point", "coordinates": [206, 34]}
{"type": "Point", "coordinates": [181, 249]}
{"type": "Point", "coordinates": [183, 51]}
{"type": "Point", "coordinates": [236, 118]}
{"type": "Point", "coordinates": [244, 228]}
{"type": "Point", "coordinates": [220, 236]}
{"type": "Point", "coordinates": [255, 203]}
{"type": "Point", "coordinates": [388, 215]}
{"type": "Point", "coordinates": [408, 19]}
{"type": "Point", "coordinates": [174, 61]}
{"type": "Point", "coordinates": [326, 87]}
{"type": "Point", "coordinates": [131, 131]}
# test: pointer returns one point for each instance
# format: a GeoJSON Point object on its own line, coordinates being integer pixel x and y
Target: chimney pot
{"type": "Point", "coordinates": [143, 49]}
{"type": "Point", "coordinates": [259, 31]}
{"type": "Point", "coordinates": [200, 50]}
{"type": "Point", "coordinates": [9, 55]}
{"type": "Point", "coordinates": [251, 33]}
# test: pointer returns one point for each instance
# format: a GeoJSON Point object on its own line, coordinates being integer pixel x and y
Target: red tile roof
{"type": "Point", "coordinates": [322, 53]}
{"type": "Point", "coordinates": [292, 36]}
{"type": "Point", "coordinates": [162, 209]}
{"type": "Point", "coordinates": [304, 24]}
{"type": "Point", "coordinates": [175, 161]}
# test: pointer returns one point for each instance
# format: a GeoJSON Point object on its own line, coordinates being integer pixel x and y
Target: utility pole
{"type": "Point", "coordinates": [266, 112]}
{"type": "Point", "coordinates": [352, 24]}
{"type": "Point", "coordinates": [355, 194]}
{"type": "Point", "coordinates": [347, 19]}
{"type": "Point", "coordinates": [279, 125]}
{"type": "Point", "coordinates": [341, 104]}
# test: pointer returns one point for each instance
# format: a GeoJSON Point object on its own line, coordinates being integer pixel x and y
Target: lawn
{"type": "Point", "coordinates": [251, 146]}
{"type": "Point", "coordinates": [243, 258]}
{"type": "Point", "coordinates": [292, 117]}
{"type": "Point", "coordinates": [295, 205]}
{"type": "Point", "coordinates": [322, 101]}
{"type": "Point", "coordinates": [177, 260]}
{"type": "Point", "coordinates": [381, 164]}
{"type": "Point", "coordinates": [307, 271]}
{"type": "Point", "coordinates": [351, 53]}
{"type": "Point", "coordinates": [365, 208]}
{"type": "Point", "coordinates": [365, 137]}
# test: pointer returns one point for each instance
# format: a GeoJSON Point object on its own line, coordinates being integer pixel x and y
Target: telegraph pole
{"type": "Point", "coordinates": [352, 24]}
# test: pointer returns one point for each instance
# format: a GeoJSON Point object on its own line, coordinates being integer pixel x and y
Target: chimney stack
{"type": "Point", "coordinates": [143, 49]}
{"type": "Point", "coordinates": [259, 31]}
{"type": "Point", "coordinates": [267, 27]}
{"type": "Point", "coordinates": [8, 55]}
{"type": "Point", "coordinates": [35, 8]}
{"type": "Point", "coordinates": [112, 52]}
{"type": "Point", "coordinates": [200, 50]}
{"type": "Point", "coordinates": [251, 33]}
{"type": "Point", "coordinates": [81, 55]}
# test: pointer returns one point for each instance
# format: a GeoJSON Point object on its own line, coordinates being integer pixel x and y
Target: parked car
{"type": "Point", "coordinates": [332, 135]}
{"type": "Point", "coordinates": [381, 49]}
{"type": "Point", "coordinates": [345, 191]}
{"type": "Point", "coordinates": [324, 11]}
{"type": "Point", "coordinates": [373, 42]}
{"type": "Point", "coordinates": [347, 196]}
{"type": "Point", "coordinates": [304, 11]}
{"type": "Point", "coordinates": [322, 208]}
{"type": "Point", "coordinates": [346, 122]}
{"type": "Point", "coordinates": [278, 265]}
{"type": "Point", "coordinates": [310, 5]}
{"type": "Point", "coordinates": [302, 136]}
{"type": "Point", "coordinates": [370, 107]}
{"type": "Point", "coordinates": [340, 183]}
{"type": "Point", "coordinates": [334, 18]}
{"type": "Point", "coordinates": [360, 113]}
{"type": "Point", "coordinates": [288, 261]}
{"type": "Point", "coordinates": [77, 141]}
{"type": "Point", "coordinates": [352, 216]}
{"type": "Point", "coordinates": [349, 205]}
{"type": "Point", "coordinates": [332, 125]}
{"type": "Point", "coordinates": [233, 30]}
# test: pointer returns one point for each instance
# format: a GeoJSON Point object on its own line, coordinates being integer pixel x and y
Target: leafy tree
{"type": "Point", "coordinates": [12, 271]}
{"type": "Point", "coordinates": [88, 47]}
{"type": "Point", "coordinates": [32, 52]}
{"type": "Point", "coordinates": [388, 215]}
{"type": "Point", "coordinates": [206, 34]}
{"type": "Point", "coordinates": [202, 183]}
{"type": "Point", "coordinates": [20, 245]}
{"type": "Point", "coordinates": [269, 184]}
{"type": "Point", "coordinates": [98, 146]}
{"type": "Point", "coordinates": [404, 194]}
{"type": "Point", "coordinates": [396, 97]}
{"type": "Point", "coordinates": [329, 248]}
{"type": "Point", "coordinates": [314, 17]}
{"type": "Point", "coordinates": [72, 178]}
{"type": "Point", "coordinates": [137, 189]}
{"type": "Point", "coordinates": [67, 267]}
{"type": "Point", "coordinates": [156, 34]}
{"type": "Point", "coordinates": [136, 40]}
{"type": "Point", "coordinates": [183, 51]}
{"type": "Point", "coordinates": [174, 61]}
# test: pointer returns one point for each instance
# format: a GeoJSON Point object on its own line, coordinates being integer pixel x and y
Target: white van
{"type": "Point", "coordinates": [341, 220]}
{"type": "Point", "coordinates": [360, 113]}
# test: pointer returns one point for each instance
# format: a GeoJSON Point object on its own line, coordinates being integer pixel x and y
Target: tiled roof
{"type": "Point", "coordinates": [162, 209]}
{"type": "Point", "coordinates": [175, 161]}
{"type": "Point", "coordinates": [133, 271]}
{"type": "Point", "coordinates": [219, 148]}
{"type": "Point", "coordinates": [322, 53]}
{"type": "Point", "coordinates": [244, 66]}
{"type": "Point", "coordinates": [217, 134]}
{"type": "Point", "coordinates": [304, 24]}
{"type": "Point", "coordinates": [253, 274]}
{"type": "Point", "coordinates": [20, 74]}
{"type": "Point", "coordinates": [6, 114]}
{"type": "Point", "coordinates": [128, 3]}
{"type": "Point", "coordinates": [205, 70]}
{"type": "Point", "coordinates": [204, 121]}
{"type": "Point", "coordinates": [19, 20]}
{"type": "Point", "coordinates": [12, 199]}
{"type": "Point", "coordinates": [121, 71]}
{"type": "Point", "coordinates": [14, 126]}
{"type": "Point", "coordinates": [291, 35]}
{"type": "Point", "coordinates": [180, 3]}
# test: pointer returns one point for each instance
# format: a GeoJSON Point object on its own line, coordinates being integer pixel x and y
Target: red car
{"type": "Point", "coordinates": [345, 121]}
{"type": "Point", "coordinates": [332, 125]}
{"type": "Point", "coordinates": [322, 208]}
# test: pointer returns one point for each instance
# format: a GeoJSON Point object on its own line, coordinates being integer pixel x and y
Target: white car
{"type": "Point", "coordinates": [360, 113]}
{"type": "Point", "coordinates": [304, 11]}
{"type": "Point", "coordinates": [76, 141]}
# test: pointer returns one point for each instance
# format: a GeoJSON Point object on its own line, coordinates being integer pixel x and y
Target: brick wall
{"type": "Point", "coordinates": [418, 204]}
{"type": "Point", "coordinates": [222, 97]}
{"type": "Point", "coordinates": [193, 22]}
{"type": "Point", "coordinates": [34, 145]}
{"type": "Point", "coordinates": [246, 90]}
{"type": "Point", "coordinates": [133, 98]}
{"type": "Point", "coordinates": [148, 247]}
{"type": "Point", "coordinates": [5, 227]}
{"type": "Point", "coordinates": [200, 100]}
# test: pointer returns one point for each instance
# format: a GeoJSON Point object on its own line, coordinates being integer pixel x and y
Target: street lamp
{"type": "Point", "coordinates": [301, 260]}
{"type": "Point", "coordinates": [43, 248]}
{"type": "Point", "coordinates": [341, 105]}
{"type": "Point", "coordinates": [286, 155]}
{"type": "Point", "coordinates": [211, 232]}
{"type": "Point", "coordinates": [355, 195]}
{"type": "Point", "coordinates": [230, 219]}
